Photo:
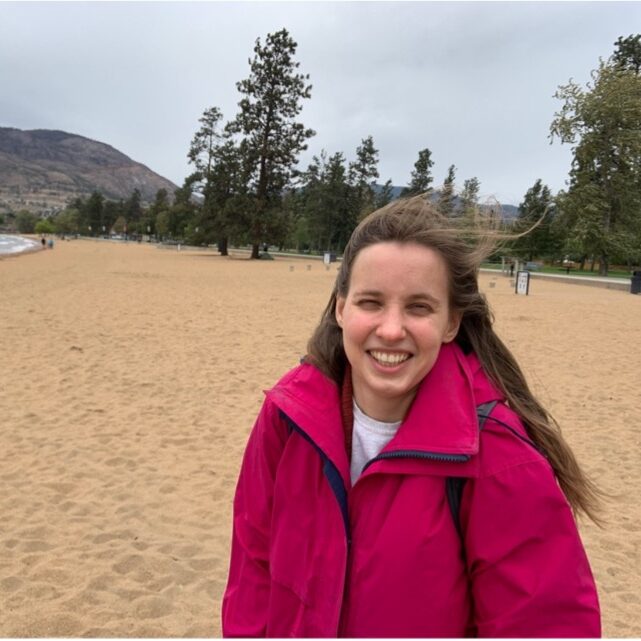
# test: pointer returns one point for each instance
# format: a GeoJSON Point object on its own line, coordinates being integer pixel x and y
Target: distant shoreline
{"type": "Point", "coordinates": [15, 245]}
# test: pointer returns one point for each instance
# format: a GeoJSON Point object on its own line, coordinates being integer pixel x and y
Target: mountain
{"type": "Point", "coordinates": [41, 170]}
{"type": "Point", "coordinates": [509, 212]}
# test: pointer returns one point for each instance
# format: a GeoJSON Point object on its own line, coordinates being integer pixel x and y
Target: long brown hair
{"type": "Point", "coordinates": [415, 220]}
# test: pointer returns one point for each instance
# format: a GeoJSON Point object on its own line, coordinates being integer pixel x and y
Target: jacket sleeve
{"type": "Point", "coordinates": [529, 573]}
{"type": "Point", "coordinates": [246, 599]}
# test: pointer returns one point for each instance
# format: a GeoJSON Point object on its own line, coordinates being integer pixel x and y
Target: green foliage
{"type": "Point", "coordinates": [150, 216]}
{"type": "Point", "coordinates": [44, 226]}
{"type": "Point", "coordinates": [93, 213]}
{"type": "Point", "coordinates": [26, 221]}
{"type": "Point", "coordinates": [202, 150]}
{"type": "Point", "coordinates": [67, 221]}
{"type": "Point", "coordinates": [446, 198]}
{"type": "Point", "coordinates": [133, 211]}
{"type": "Point", "coordinates": [111, 211]}
{"type": "Point", "coordinates": [627, 55]}
{"type": "Point", "coordinates": [384, 196]}
{"type": "Point", "coordinates": [470, 197]}
{"type": "Point", "coordinates": [602, 122]}
{"type": "Point", "coordinates": [362, 173]}
{"type": "Point", "coordinates": [327, 202]}
{"type": "Point", "coordinates": [120, 225]}
{"type": "Point", "coordinates": [421, 177]}
{"type": "Point", "coordinates": [272, 139]}
{"type": "Point", "coordinates": [543, 241]}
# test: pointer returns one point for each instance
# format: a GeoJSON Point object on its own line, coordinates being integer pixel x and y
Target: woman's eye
{"type": "Point", "coordinates": [420, 308]}
{"type": "Point", "coordinates": [368, 303]}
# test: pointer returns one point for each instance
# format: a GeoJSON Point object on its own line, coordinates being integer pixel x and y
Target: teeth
{"type": "Point", "coordinates": [385, 358]}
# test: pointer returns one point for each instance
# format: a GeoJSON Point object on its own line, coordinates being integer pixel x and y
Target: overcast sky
{"type": "Point", "coordinates": [472, 81]}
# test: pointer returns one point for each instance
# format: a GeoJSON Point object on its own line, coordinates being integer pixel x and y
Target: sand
{"type": "Point", "coordinates": [130, 378]}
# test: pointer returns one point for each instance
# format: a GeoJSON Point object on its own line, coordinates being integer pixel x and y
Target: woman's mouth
{"type": "Point", "coordinates": [389, 359]}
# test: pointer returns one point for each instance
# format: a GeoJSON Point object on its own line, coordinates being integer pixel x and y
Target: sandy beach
{"type": "Point", "coordinates": [130, 380]}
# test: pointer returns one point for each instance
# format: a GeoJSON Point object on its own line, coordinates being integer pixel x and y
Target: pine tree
{"type": "Point", "coordinates": [421, 177]}
{"type": "Point", "coordinates": [447, 197]}
{"type": "Point", "coordinates": [272, 98]}
{"type": "Point", "coordinates": [362, 173]}
{"type": "Point", "coordinates": [470, 197]}
{"type": "Point", "coordinates": [540, 242]}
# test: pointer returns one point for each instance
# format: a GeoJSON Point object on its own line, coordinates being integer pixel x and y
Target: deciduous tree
{"type": "Point", "coordinates": [603, 123]}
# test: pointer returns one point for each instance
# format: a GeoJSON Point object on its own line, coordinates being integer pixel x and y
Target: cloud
{"type": "Point", "coordinates": [471, 81]}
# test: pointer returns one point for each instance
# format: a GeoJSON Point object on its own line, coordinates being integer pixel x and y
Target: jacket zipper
{"type": "Point", "coordinates": [431, 456]}
{"type": "Point", "coordinates": [343, 508]}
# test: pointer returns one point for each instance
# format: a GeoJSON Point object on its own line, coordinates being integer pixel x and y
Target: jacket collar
{"type": "Point", "coordinates": [441, 420]}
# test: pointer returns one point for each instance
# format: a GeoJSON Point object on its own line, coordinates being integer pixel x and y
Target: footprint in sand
{"type": "Point", "coordinates": [153, 608]}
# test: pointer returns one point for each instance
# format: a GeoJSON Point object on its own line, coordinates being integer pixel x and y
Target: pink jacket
{"type": "Point", "coordinates": [313, 556]}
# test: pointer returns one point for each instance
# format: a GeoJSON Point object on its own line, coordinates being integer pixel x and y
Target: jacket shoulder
{"type": "Point", "coordinates": [505, 443]}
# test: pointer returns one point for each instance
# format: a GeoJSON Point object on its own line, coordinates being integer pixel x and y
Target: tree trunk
{"type": "Point", "coordinates": [255, 251]}
{"type": "Point", "coordinates": [603, 265]}
{"type": "Point", "coordinates": [222, 247]}
{"type": "Point", "coordinates": [592, 263]}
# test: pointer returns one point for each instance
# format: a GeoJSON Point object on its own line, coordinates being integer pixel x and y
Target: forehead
{"type": "Point", "coordinates": [400, 266]}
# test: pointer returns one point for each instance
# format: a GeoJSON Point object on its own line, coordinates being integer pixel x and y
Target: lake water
{"type": "Point", "coordinates": [16, 244]}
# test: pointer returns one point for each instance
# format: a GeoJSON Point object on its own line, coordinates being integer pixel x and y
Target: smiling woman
{"type": "Point", "coordinates": [403, 481]}
{"type": "Point", "coordinates": [395, 317]}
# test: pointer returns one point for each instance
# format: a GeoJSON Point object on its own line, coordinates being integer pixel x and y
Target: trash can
{"type": "Point", "coordinates": [635, 282]}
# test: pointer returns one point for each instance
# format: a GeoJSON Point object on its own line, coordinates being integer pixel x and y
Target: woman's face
{"type": "Point", "coordinates": [395, 317]}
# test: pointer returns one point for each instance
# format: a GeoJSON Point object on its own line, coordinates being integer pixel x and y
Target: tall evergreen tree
{"type": "Point", "coordinates": [470, 197]}
{"type": "Point", "coordinates": [540, 242]}
{"type": "Point", "coordinates": [111, 210]}
{"type": "Point", "coordinates": [272, 98]}
{"type": "Point", "coordinates": [205, 141]}
{"type": "Point", "coordinates": [133, 211]}
{"type": "Point", "coordinates": [362, 173]}
{"type": "Point", "coordinates": [215, 157]}
{"type": "Point", "coordinates": [447, 196]}
{"type": "Point", "coordinates": [421, 177]}
{"type": "Point", "coordinates": [327, 203]}
{"type": "Point", "coordinates": [94, 214]}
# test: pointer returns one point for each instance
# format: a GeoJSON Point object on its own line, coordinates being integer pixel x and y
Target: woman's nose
{"type": "Point", "coordinates": [391, 326]}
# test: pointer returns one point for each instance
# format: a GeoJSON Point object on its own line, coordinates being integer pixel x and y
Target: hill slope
{"type": "Point", "coordinates": [41, 169]}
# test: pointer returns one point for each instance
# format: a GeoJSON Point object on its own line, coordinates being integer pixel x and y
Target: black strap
{"type": "Point", "coordinates": [453, 484]}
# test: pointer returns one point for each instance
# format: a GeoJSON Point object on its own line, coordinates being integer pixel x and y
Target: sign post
{"type": "Point", "coordinates": [522, 282]}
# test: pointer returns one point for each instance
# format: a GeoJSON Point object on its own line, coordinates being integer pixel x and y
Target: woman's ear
{"type": "Point", "coordinates": [340, 306]}
{"type": "Point", "coordinates": [454, 323]}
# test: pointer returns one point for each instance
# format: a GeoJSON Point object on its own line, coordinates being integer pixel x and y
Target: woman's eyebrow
{"type": "Point", "coordinates": [375, 293]}
{"type": "Point", "coordinates": [424, 296]}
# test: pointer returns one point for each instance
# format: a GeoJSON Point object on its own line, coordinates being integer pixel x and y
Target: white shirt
{"type": "Point", "coordinates": [368, 439]}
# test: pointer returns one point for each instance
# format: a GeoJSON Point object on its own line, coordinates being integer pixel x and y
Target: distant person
{"type": "Point", "coordinates": [512, 268]}
{"type": "Point", "coordinates": [371, 503]}
{"type": "Point", "coordinates": [50, 243]}
{"type": "Point", "coordinates": [44, 242]}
